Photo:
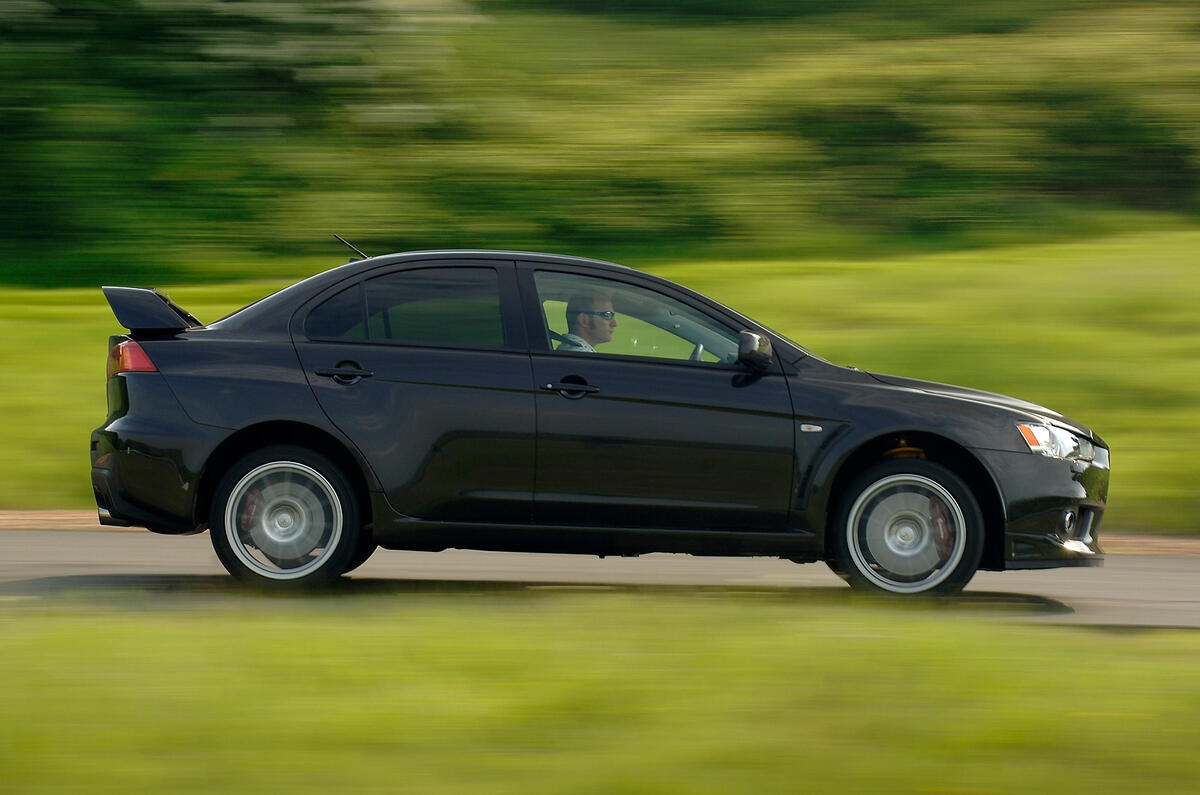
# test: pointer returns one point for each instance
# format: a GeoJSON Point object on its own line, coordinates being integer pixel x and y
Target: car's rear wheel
{"type": "Point", "coordinates": [907, 526]}
{"type": "Point", "coordinates": [285, 516]}
{"type": "Point", "coordinates": [362, 553]}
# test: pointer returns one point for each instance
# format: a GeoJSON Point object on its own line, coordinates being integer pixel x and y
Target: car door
{"type": "Point", "coordinates": [425, 368]}
{"type": "Point", "coordinates": [659, 427]}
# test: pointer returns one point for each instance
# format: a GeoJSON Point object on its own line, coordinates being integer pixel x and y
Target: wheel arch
{"type": "Point", "coordinates": [265, 434]}
{"type": "Point", "coordinates": [941, 450]}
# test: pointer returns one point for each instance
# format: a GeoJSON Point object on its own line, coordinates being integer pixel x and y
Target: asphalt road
{"type": "Point", "coordinates": [1130, 590]}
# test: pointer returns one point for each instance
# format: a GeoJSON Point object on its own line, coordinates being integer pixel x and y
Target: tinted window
{"type": "Point", "coordinates": [447, 306]}
{"type": "Point", "coordinates": [339, 317]}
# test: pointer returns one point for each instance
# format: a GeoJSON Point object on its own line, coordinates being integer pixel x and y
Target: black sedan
{"type": "Point", "coordinates": [537, 403]}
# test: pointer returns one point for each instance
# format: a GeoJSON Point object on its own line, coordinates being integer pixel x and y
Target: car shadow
{"type": "Point", "coordinates": [197, 591]}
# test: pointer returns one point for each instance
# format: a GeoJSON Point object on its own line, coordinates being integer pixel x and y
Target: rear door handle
{"type": "Point", "coordinates": [345, 375]}
{"type": "Point", "coordinates": [569, 390]}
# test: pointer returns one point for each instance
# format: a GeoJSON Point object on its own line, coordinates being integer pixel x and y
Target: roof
{"type": "Point", "coordinates": [271, 310]}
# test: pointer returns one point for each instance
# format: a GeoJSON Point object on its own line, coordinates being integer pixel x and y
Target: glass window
{"type": "Point", "coordinates": [588, 314]}
{"type": "Point", "coordinates": [339, 317]}
{"type": "Point", "coordinates": [442, 306]}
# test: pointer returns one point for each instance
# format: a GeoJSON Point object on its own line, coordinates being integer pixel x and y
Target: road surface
{"type": "Point", "coordinates": [1130, 590]}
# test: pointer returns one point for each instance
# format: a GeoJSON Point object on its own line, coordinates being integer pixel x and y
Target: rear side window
{"type": "Point", "coordinates": [440, 306]}
{"type": "Point", "coordinates": [339, 317]}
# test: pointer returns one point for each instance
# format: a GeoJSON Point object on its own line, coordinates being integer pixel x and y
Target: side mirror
{"type": "Point", "coordinates": [754, 351]}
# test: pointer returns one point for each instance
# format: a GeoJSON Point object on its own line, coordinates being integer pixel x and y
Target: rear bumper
{"type": "Point", "coordinates": [116, 509]}
{"type": "Point", "coordinates": [1052, 508]}
{"type": "Point", "coordinates": [146, 465]}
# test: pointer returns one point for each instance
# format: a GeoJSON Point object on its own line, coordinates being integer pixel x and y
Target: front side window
{"type": "Point", "coordinates": [590, 315]}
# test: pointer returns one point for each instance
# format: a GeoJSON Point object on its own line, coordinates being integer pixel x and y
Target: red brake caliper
{"type": "Point", "coordinates": [941, 525]}
{"type": "Point", "coordinates": [250, 512]}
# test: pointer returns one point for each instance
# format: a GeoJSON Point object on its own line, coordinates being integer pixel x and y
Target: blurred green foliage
{"type": "Point", "coordinates": [142, 139]}
{"type": "Point", "coordinates": [888, 17]}
{"type": "Point", "coordinates": [132, 126]}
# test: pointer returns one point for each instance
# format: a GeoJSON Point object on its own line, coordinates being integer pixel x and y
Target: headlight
{"type": "Point", "coordinates": [1054, 442]}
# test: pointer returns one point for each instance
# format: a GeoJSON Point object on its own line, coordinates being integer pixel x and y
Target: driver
{"type": "Point", "coordinates": [590, 322]}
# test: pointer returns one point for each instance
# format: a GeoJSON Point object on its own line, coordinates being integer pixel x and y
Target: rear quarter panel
{"type": "Point", "coordinates": [232, 382]}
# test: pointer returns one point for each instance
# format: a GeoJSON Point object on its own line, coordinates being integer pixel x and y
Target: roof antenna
{"type": "Point", "coordinates": [351, 245]}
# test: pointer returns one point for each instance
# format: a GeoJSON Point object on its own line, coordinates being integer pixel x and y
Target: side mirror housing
{"type": "Point", "coordinates": [754, 350]}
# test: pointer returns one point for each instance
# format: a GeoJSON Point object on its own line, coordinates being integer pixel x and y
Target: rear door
{"type": "Point", "coordinates": [425, 368]}
{"type": "Point", "coordinates": [659, 427]}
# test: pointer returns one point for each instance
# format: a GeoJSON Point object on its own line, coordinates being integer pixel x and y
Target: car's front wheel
{"type": "Point", "coordinates": [285, 515]}
{"type": "Point", "coordinates": [907, 526]}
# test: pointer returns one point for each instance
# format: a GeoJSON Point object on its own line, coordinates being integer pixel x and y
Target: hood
{"type": "Point", "coordinates": [987, 399]}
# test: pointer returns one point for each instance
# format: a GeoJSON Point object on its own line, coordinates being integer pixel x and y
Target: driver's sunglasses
{"type": "Point", "coordinates": [608, 315]}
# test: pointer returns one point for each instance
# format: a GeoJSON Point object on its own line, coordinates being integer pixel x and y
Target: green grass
{"type": "Point", "coordinates": [517, 691]}
{"type": "Point", "coordinates": [1105, 331]}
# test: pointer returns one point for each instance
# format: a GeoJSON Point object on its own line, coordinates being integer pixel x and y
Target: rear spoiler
{"type": "Point", "coordinates": [140, 309]}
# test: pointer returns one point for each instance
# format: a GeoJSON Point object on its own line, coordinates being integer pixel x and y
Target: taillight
{"type": "Point", "coordinates": [128, 357]}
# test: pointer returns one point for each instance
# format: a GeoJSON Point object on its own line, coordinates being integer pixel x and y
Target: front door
{"type": "Point", "coordinates": [645, 418]}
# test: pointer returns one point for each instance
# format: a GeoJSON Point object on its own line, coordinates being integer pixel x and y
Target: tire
{"type": "Point", "coordinates": [907, 526]}
{"type": "Point", "coordinates": [285, 516]}
{"type": "Point", "coordinates": [362, 553]}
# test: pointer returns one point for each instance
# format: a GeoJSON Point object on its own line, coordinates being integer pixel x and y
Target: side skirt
{"type": "Point", "coordinates": [401, 532]}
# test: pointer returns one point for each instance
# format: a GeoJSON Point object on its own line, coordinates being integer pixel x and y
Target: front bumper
{"type": "Point", "coordinates": [1052, 508]}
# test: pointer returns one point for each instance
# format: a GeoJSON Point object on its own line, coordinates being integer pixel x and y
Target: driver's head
{"type": "Point", "coordinates": [591, 316]}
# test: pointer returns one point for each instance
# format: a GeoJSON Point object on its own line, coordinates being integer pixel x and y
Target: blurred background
{"type": "Point", "coordinates": [999, 193]}
{"type": "Point", "coordinates": [145, 136]}
{"type": "Point", "coordinates": [1003, 194]}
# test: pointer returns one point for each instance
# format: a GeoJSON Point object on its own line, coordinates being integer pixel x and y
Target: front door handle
{"type": "Point", "coordinates": [345, 373]}
{"type": "Point", "coordinates": [570, 390]}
